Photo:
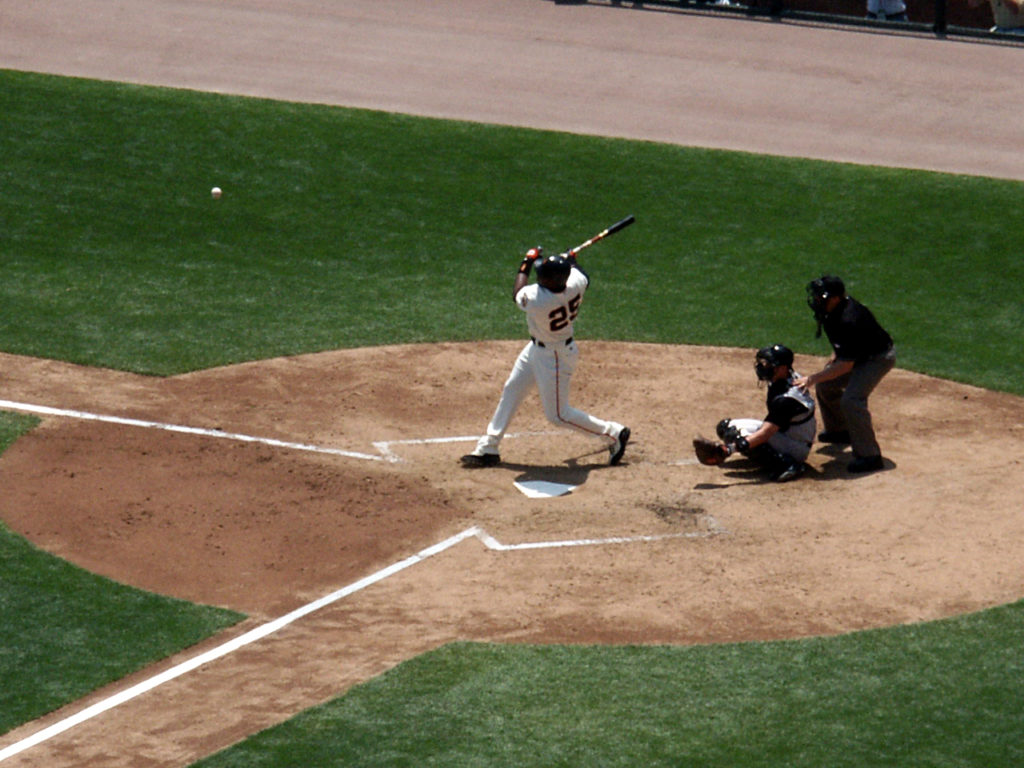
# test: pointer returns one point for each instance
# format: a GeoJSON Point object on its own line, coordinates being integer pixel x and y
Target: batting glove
{"type": "Point", "coordinates": [531, 255]}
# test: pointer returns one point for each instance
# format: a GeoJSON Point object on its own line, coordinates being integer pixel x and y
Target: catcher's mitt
{"type": "Point", "coordinates": [709, 452]}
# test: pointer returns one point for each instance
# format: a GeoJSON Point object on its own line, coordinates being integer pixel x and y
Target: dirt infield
{"type": "Point", "coordinates": [712, 555]}
{"type": "Point", "coordinates": [266, 529]}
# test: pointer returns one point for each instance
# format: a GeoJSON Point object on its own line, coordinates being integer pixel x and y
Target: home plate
{"type": "Point", "coordinates": [543, 489]}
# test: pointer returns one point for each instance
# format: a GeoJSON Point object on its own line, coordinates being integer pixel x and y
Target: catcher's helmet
{"type": "Point", "coordinates": [770, 358]}
{"type": "Point", "coordinates": [553, 271]}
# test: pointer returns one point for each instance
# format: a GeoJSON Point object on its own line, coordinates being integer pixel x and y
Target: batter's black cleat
{"type": "Point", "coordinates": [618, 447]}
{"type": "Point", "coordinates": [477, 460]}
{"type": "Point", "coordinates": [839, 437]}
{"type": "Point", "coordinates": [865, 464]}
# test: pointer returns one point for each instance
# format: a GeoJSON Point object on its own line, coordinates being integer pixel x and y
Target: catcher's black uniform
{"type": "Point", "coordinates": [792, 411]}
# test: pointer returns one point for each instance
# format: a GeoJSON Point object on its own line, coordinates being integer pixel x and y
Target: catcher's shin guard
{"type": "Point", "coordinates": [781, 467]}
{"type": "Point", "coordinates": [768, 457]}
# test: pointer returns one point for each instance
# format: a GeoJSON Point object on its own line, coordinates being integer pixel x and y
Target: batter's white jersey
{"type": "Point", "coordinates": [550, 316]}
{"type": "Point", "coordinates": [547, 363]}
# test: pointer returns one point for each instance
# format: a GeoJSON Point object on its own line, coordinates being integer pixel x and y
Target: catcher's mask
{"type": "Point", "coordinates": [819, 292]}
{"type": "Point", "coordinates": [768, 359]}
{"type": "Point", "coordinates": [553, 272]}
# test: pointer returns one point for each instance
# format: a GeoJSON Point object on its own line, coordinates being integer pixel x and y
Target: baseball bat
{"type": "Point", "coordinates": [602, 235]}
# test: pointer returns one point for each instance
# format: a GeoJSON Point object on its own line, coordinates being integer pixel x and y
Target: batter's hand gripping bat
{"type": "Point", "coordinates": [602, 235]}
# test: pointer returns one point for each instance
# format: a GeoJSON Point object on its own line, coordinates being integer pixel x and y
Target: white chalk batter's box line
{"type": "Point", "coordinates": [271, 627]}
{"type": "Point", "coordinates": [382, 446]}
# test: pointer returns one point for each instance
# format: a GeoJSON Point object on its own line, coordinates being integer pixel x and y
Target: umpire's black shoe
{"type": "Point", "coordinates": [839, 437]}
{"type": "Point", "coordinates": [865, 464]}
{"type": "Point", "coordinates": [619, 447]}
{"type": "Point", "coordinates": [475, 460]}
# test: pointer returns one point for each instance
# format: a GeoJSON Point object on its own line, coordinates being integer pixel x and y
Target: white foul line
{"type": "Point", "coordinates": [226, 648]}
{"type": "Point", "coordinates": [47, 411]}
{"type": "Point", "coordinates": [273, 626]}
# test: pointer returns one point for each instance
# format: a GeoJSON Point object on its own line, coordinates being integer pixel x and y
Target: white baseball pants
{"type": "Point", "coordinates": [550, 368]}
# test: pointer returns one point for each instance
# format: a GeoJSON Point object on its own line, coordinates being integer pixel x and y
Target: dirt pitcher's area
{"type": "Point", "coordinates": [656, 550]}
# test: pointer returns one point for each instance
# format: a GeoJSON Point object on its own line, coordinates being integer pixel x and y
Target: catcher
{"type": "Point", "coordinates": [782, 441]}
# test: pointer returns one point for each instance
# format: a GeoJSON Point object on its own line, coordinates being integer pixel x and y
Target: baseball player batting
{"type": "Point", "coordinates": [551, 305]}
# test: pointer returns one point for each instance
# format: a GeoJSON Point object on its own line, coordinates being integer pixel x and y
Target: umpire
{"type": "Point", "coordinates": [864, 354]}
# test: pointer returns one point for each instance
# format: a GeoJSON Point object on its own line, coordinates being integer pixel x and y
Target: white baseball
{"type": "Point", "coordinates": [215, 193]}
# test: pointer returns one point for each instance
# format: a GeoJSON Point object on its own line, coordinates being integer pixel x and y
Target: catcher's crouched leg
{"type": "Point", "coordinates": [781, 466]}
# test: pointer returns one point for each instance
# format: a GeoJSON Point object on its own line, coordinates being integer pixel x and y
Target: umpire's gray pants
{"type": "Point", "coordinates": [843, 402]}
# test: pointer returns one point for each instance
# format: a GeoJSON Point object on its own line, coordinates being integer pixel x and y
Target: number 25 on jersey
{"type": "Point", "coordinates": [561, 316]}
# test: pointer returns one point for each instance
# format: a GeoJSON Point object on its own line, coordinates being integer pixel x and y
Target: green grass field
{"type": "Point", "coordinates": [342, 228]}
{"type": "Point", "coordinates": [866, 699]}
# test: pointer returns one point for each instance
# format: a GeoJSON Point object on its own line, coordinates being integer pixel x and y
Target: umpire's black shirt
{"type": "Point", "coordinates": [854, 332]}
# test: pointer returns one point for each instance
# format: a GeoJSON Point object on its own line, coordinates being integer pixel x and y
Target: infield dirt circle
{"type": "Point", "coordinates": [657, 550]}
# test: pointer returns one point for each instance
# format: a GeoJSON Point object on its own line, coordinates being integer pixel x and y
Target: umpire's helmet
{"type": "Point", "coordinates": [821, 290]}
{"type": "Point", "coordinates": [553, 272]}
{"type": "Point", "coordinates": [770, 358]}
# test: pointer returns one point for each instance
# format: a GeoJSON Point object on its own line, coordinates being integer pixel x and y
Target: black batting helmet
{"type": "Point", "coordinates": [770, 358]}
{"type": "Point", "coordinates": [554, 271]}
